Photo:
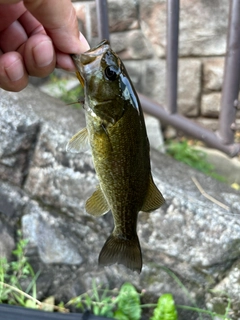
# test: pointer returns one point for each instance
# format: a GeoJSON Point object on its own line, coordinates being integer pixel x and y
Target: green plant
{"type": "Point", "coordinates": [121, 304]}
{"type": "Point", "coordinates": [13, 273]}
{"type": "Point", "coordinates": [71, 97]}
{"type": "Point", "coordinates": [197, 159]}
{"type": "Point", "coordinates": [100, 301]}
{"type": "Point", "coordinates": [128, 303]}
{"type": "Point", "coordinates": [125, 304]}
{"type": "Point", "coordinates": [165, 309]}
{"type": "Point", "coordinates": [213, 315]}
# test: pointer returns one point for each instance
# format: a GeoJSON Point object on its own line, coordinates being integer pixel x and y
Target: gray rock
{"type": "Point", "coordinates": [223, 165]}
{"type": "Point", "coordinates": [210, 104]}
{"type": "Point", "coordinates": [154, 133]}
{"type": "Point", "coordinates": [209, 123]}
{"type": "Point", "coordinates": [153, 17]}
{"type": "Point", "coordinates": [149, 78]}
{"type": "Point", "coordinates": [7, 243]}
{"type": "Point", "coordinates": [153, 83]}
{"type": "Point", "coordinates": [57, 177]}
{"type": "Point", "coordinates": [189, 86]}
{"type": "Point", "coordinates": [213, 69]}
{"type": "Point", "coordinates": [203, 26]}
{"type": "Point", "coordinates": [122, 15]}
{"type": "Point", "coordinates": [47, 233]}
{"type": "Point", "coordinates": [12, 203]}
{"type": "Point", "coordinates": [136, 70]}
{"type": "Point", "coordinates": [18, 134]}
{"type": "Point", "coordinates": [131, 45]}
{"type": "Point", "coordinates": [191, 235]}
{"type": "Point", "coordinates": [220, 296]}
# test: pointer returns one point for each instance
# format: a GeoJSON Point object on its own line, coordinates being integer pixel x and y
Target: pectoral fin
{"type": "Point", "coordinates": [97, 204]}
{"type": "Point", "coordinates": [154, 198]}
{"type": "Point", "coordinates": [79, 142]}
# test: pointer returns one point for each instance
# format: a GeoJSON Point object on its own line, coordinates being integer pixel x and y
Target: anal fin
{"type": "Point", "coordinates": [97, 204]}
{"type": "Point", "coordinates": [154, 199]}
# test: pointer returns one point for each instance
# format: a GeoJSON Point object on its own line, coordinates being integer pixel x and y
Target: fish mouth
{"type": "Point", "coordinates": [86, 62]}
{"type": "Point", "coordinates": [94, 53]}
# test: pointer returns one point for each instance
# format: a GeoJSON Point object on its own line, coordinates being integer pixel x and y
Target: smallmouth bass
{"type": "Point", "coordinates": [117, 135]}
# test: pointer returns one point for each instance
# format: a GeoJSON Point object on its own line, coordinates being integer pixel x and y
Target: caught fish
{"type": "Point", "coordinates": [116, 132]}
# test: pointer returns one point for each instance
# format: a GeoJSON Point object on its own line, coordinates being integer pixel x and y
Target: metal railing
{"type": "Point", "coordinates": [224, 139]}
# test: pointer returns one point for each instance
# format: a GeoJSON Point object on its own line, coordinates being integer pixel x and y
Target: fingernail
{"type": "Point", "coordinates": [15, 71]}
{"type": "Point", "coordinates": [84, 44]}
{"type": "Point", "coordinates": [43, 53]}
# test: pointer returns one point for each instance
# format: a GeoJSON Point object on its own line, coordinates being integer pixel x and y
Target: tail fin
{"type": "Point", "coordinates": [121, 251]}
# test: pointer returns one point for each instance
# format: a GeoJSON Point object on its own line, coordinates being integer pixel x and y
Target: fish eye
{"type": "Point", "coordinates": [110, 73]}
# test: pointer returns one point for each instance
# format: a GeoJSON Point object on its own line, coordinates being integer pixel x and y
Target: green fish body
{"type": "Point", "coordinates": [117, 135]}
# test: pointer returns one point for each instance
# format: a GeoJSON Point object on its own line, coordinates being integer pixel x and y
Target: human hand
{"type": "Point", "coordinates": [35, 37]}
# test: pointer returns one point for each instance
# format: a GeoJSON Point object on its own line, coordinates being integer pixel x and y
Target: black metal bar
{"type": "Point", "coordinates": [187, 126]}
{"type": "Point", "coordinates": [231, 76]}
{"type": "Point", "coordinates": [102, 18]}
{"type": "Point", "coordinates": [172, 54]}
{"type": "Point", "coordinates": [8, 312]}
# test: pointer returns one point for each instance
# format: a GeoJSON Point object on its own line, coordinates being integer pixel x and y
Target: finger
{"type": "Point", "coordinates": [39, 55]}
{"type": "Point", "coordinates": [60, 22]}
{"type": "Point", "coordinates": [30, 24]}
{"type": "Point", "coordinates": [84, 43]}
{"type": "Point", "coordinates": [9, 1]}
{"type": "Point", "coordinates": [12, 37]}
{"type": "Point", "coordinates": [10, 13]}
{"type": "Point", "coordinates": [13, 76]}
{"type": "Point", "coordinates": [64, 60]}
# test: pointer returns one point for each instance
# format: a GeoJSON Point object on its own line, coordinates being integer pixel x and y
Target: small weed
{"type": "Point", "coordinates": [125, 304]}
{"type": "Point", "coordinates": [197, 159]}
{"type": "Point", "coordinates": [13, 273]}
{"type": "Point", "coordinates": [121, 304]}
{"type": "Point", "coordinates": [68, 96]}
{"type": "Point", "coordinates": [165, 309]}
{"type": "Point", "coordinates": [72, 97]}
{"type": "Point", "coordinates": [100, 301]}
{"type": "Point", "coordinates": [213, 315]}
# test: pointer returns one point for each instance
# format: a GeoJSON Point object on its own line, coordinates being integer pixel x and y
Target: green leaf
{"type": "Point", "coordinates": [128, 302]}
{"type": "Point", "coordinates": [165, 309]}
{"type": "Point", "coordinates": [106, 311]}
{"type": "Point", "coordinates": [120, 315]}
{"type": "Point", "coordinates": [96, 310]}
{"type": "Point", "coordinates": [88, 301]}
{"type": "Point", "coordinates": [31, 304]}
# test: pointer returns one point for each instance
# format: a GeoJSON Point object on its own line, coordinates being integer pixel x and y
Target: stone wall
{"type": "Point", "coordinates": [138, 35]}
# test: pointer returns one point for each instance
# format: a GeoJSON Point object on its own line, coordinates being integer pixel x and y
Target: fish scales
{"type": "Point", "coordinates": [120, 170]}
{"type": "Point", "coordinates": [117, 136]}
